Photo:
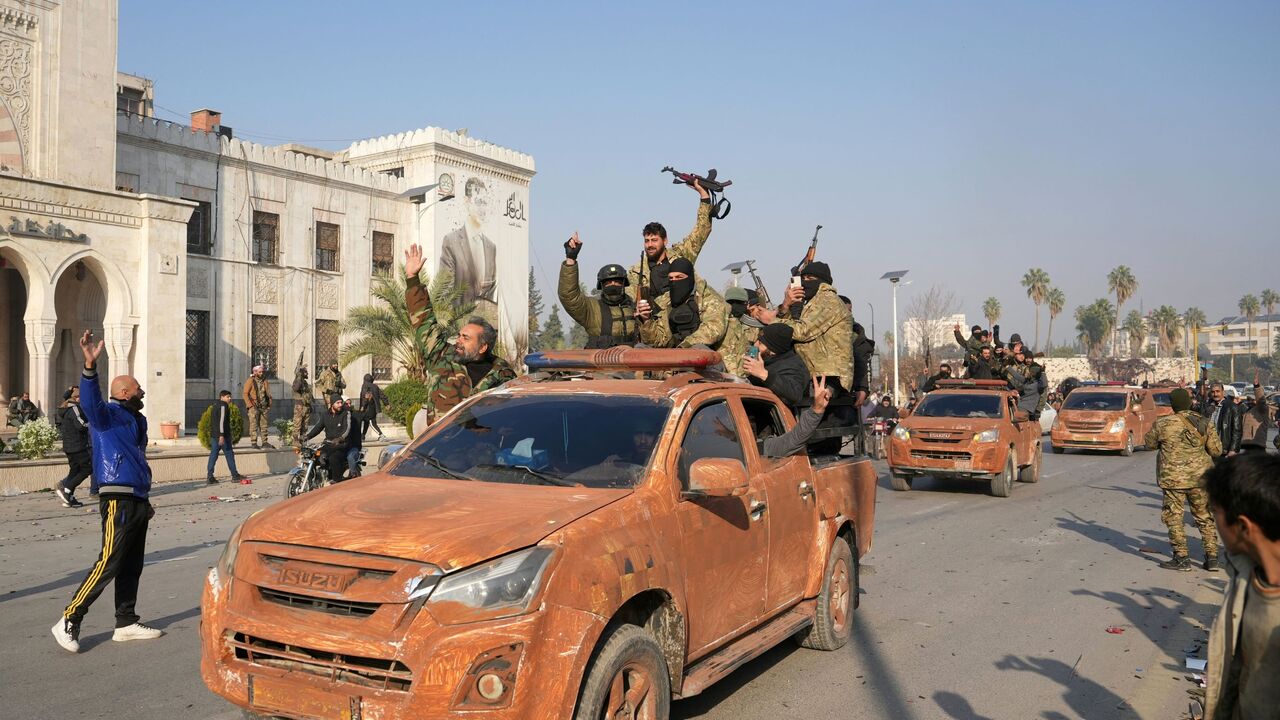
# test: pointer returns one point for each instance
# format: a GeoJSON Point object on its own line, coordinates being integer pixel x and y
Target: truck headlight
{"type": "Point", "coordinates": [987, 436]}
{"type": "Point", "coordinates": [902, 433]}
{"type": "Point", "coordinates": [1117, 426]}
{"type": "Point", "coordinates": [499, 588]}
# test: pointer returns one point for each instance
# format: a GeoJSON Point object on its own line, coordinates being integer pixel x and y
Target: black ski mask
{"type": "Point", "coordinates": [737, 309]}
{"type": "Point", "coordinates": [681, 290]}
{"type": "Point", "coordinates": [613, 294]}
{"type": "Point", "coordinates": [810, 288]}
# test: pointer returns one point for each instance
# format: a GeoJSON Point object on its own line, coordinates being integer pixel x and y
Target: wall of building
{"type": "Point", "coordinates": [1175, 369]}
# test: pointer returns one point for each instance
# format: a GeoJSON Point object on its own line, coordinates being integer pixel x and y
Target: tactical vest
{"type": "Point", "coordinates": [617, 326]}
{"type": "Point", "coordinates": [684, 320]}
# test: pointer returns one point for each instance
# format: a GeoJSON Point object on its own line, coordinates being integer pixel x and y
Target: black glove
{"type": "Point", "coordinates": [570, 251]}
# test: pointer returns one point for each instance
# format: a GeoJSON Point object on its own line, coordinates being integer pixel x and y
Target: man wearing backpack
{"type": "Point", "coordinates": [1187, 443]}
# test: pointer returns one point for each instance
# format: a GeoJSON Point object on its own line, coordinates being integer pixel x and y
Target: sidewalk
{"type": "Point", "coordinates": [171, 461]}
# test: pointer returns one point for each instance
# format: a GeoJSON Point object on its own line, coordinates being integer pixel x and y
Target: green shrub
{"type": "Point", "coordinates": [284, 428]}
{"type": "Point", "coordinates": [402, 395]}
{"type": "Point", "coordinates": [409, 416]}
{"type": "Point", "coordinates": [35, 438]}
{"type": "Point", "coordinates": [205, 430]}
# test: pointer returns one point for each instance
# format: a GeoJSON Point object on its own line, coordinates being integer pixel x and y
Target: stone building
{"type": "Point", "coordinates": [196, 254]}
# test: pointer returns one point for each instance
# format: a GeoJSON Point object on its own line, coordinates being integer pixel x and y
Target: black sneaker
{"type": "Point", "coordinates": [1180, 563]}
{"type": "Point", "coordinates": [211, 480]}
{"type": "Point", "coordinates": [255, 446]}
{"type": "Point", "coordinates": [67, 497]}
{"type": "Point", "coordinates": [268, 446]}
{"type": "Point", "coordinates": [1211, 564]}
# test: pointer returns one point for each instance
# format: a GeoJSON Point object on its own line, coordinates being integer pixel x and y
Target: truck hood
{"type": "Point", "coordinates": [448, 523]}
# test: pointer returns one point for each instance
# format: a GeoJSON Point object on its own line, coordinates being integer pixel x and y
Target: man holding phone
{"type": "Point", "coordinates": [775, 365]}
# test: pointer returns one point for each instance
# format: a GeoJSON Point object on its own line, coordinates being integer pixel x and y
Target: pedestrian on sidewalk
{"type": "Point", "coordinates": [371, 401]}
{"type": "Point", "coordinates": [1187, 443]}
{"type": "Point", "coordinates": [75, 443]}
{"type": "Point", "coordinates": [257, 402]}
{"type": "Point", "coordinates": [119, 432]}
{"type": "Point", "coordinates": [1244, 645]}
{"type": "Point", "coordinates": [221, 440]}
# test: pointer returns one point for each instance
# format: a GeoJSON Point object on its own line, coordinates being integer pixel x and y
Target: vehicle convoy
{"type": "Point", "coordinates": [968, 429]}
{"type": "Point", "coordinates": [1104, 417]}
{"type": "Point", "coordinates": [572, 544]}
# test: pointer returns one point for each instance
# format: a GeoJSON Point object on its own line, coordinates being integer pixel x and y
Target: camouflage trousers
{"type": "Point", "coordinates": [258, 425]}
{"type": "Point", "coordinates": [1172, 513]}
{"type": "Point", "coordinates": [301, 419]}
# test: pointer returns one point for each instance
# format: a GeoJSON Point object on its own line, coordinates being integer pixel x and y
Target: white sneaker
{"type": "Point", "coordinates": [67, 635]}
{"type": "Point", "coordinates": [136, 631]}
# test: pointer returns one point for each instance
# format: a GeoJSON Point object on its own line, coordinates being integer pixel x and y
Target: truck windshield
{"type": "Point", "coordinates": [961, 406]}
{"type": "Point", "coordinates": [571, 440]}
{"type": "Point", "coordinates": [1094, 401]}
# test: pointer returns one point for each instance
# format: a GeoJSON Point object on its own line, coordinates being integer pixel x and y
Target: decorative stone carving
{"type": "Point", "coordinates": [15, 85]}
{"type": "Point", "coordinates": [266, 288]}
{"type": "Point", "coordinates": [328, 293]}
{"type": "Point", "coordinates": [16, 20]}
{"type": "Point", "coordinates": [198, 282]}
{"type": "Point", "coordinates": [169, 264]}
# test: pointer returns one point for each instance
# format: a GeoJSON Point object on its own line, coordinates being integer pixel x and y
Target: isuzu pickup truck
{"type": "Point", "coordinates": [969, 429]}
{"type": "Point", "coordinates": [578, 543]}
{"type": "Point", "coordinates": [1103, 417]}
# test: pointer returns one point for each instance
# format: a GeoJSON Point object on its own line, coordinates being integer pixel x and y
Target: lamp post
{"type": "Point", "coordinates": [418, 198]}
{"type": "Point", "coordinates": [894, 277]}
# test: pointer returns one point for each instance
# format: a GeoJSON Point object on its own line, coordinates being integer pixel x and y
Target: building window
{"type": "Point", "coordinates": [199, 235]}
{"type": "Point", "coordinates": [381, 367]}
{"type": "Point", "coordinates": [127, 182]}
{"type": "Point", "coordinates": [266, 231]}
{"type": "Point", "coordinates": [326, 343]}
{"type": "Point", "coordinates": [384, 252]}
{"type": "Point", "coordinates": [328, 238]}
{"type": "Point", "coordinates": [394, 172]}
{"type": "Point", "coordinates": [198, 344]}
{"type": "Point", "coordinates": [131, 100]}
{"type": "Point", "coordinates": [266, 346]}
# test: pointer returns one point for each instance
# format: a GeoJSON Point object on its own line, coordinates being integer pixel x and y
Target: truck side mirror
{"type": "Point", "coordinates": [716, 477]}
{"type": "Point", "coordinates": [1021, 416]}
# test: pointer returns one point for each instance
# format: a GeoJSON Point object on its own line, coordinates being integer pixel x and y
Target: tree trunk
{"type": "Point", "coordinates": [1037, 324]}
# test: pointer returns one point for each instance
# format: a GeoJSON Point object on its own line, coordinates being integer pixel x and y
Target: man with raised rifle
{"type": "Point", "coordinates": [609, 319]}
{"type": "Point", "coordinates": [652, 272]}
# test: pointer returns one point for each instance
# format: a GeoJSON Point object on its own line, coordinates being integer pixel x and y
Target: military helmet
{"type": "Point", "coordinates": [612, 272]}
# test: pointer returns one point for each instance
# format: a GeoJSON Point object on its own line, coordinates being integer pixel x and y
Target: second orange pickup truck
{"type": "Point", "coordinates": [1103, 417]}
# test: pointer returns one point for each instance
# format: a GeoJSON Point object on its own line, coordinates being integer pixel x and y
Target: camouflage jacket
{"type": "Point", "coordinates": [447, 380]}
{"type": "Point", "coordinates": [689, 248]}
{"type": "Point", "coordinates": [589, 311]}
{"type": "Point", "coordinates": [824, 336]}
{"type": "Point", "coordinates": [713, 314]}
{"type": "Point", "coordinates": [329, 383]}
{"type": "Point", "coordinates": [1187, 443]}
{"type": "Point", "coordinates": [733, 350]}
{"type": "Point", "coordinates": [301, 387]}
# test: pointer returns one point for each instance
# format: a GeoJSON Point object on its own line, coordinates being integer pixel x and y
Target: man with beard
{"type": "Point", "coordinates": [689, 314]}
{"type": "Point", "coordinates": [931, 384]}
{"type": "Point", "coordinates": [982, 367]}
{"type": "Point", "coordinates": [743, 330]}
{"type": "Point", "coordinates": [301, 400]}
{"type": "Point", "coordinates": [336, 426]}
{"type": "Point", "coordinates": [455, 373]}
{"type": "Point", "coordinates": [330, 383]}
{"type": "Point", "coordinates": [119, 431]}
{"type": "Point", "coordinates": [778, 367]}
{"type": "Point", "coordinates": [1226, 417]}
{"type": "Point", "coordinates": [609, 319]}
{"type": "Point", "coordinates": [658, 257]}
{"type": "Point", "coordinates": [257, 401]}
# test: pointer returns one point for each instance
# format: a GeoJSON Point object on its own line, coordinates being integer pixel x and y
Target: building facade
{"type": "Point", "coordinates": [197, 255]}
{"type": "Point", "coordinates": [937, 333]}
{"type": "Point", "coordinates": [1231, 335]}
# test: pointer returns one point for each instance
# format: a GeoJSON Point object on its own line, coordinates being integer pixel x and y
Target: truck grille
{"type": "Point", "coordinates": [1086, 427]}
{"type": "Point", "coordinates": [940, 455]}
{"type": "Point", "coordinates": [328, 605]}
{"type": "Point", "coordinates": [365, 672]}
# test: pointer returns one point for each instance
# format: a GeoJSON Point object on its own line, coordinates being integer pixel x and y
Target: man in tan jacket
{"type": "Point", "coordinates": [257, 401]}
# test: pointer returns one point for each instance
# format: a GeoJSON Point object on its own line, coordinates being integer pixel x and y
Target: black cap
{"type": "Point", "coordinates": [66, 395]}
{"type": "Point", "coordinates": [778, 337]}
{"type": "Point", "coordinates": [612, 272]}
{"type": "Point", "coordinates": [976, 328]}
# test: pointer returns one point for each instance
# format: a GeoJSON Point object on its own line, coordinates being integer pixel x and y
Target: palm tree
{"type": "Point", "coordinates": [384, 328]}
{"type": "Point", "coordinates": [1194, 319]}
{"type": "Point", "coordinates": [1270, 298]}
{"type": "Point", "coordinates": [1249, 307]}
{"type": "Point", "coordinates": [1135, 326]}
{"type": "Point", "coordinates": [1056, 300]}
{"type": "Point", "coordinates": [1123, 284]}
{"type": "Point", "coordinates": [1036, 281]}
{"type": "Point", "coordinates": [1093, 325]}
{"type": "Point", "coordinates": [1168, 325]}
{"type": "Point", "coordinates": [991, 310]}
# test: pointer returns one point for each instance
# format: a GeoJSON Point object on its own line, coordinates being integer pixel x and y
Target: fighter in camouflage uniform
{"type": "Point", "coordinates": [1187, 443]}
{"type": "Point", "coordinates": [609, 319]}
{"type": "Point", "coordinates": [301, 401]}
{"type": "Point", "coordinates": [658, 257]}
{"type": "Point", "coordinates": [453, 373]}
{"type": "Point", "coordinates": [700, 319]}
{"type": "Point", "coordinates": [742, 333]}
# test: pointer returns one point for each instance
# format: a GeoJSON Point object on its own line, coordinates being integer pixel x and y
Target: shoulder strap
{"type": "Point", "coordinates": [1192, 427]}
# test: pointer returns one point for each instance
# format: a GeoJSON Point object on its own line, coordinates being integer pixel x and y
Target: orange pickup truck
{"type": "Point", "coordinates": [1103, 417]}
{"type": "Point", "coordinates": [570, 545]}
{"type": "Point", "coordinates": [967, 429]}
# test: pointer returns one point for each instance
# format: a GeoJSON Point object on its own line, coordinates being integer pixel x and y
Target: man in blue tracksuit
{"type": "Point", "coordinates": [119, 432]}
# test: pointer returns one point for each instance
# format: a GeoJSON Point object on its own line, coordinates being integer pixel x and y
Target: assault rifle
{"type": "Point", "coordinates": [643, 291]}
{"type": "Point", "coordinates": [750, 266]}
{"type": "Point", "coordinates": [798, 270]}
{"type": "Point", "coordinates": [299, 365]}
{"type": "Point", "coordinates": [719, 207]}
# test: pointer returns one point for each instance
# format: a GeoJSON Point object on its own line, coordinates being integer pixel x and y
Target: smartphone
{"type": "Point", "coordinates": [795, 281]}
{"type": "Point", "coordinates": [753, 352]}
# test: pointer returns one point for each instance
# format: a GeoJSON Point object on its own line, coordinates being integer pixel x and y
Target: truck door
{"type": "Point", "coordinates": [1137, 417]}
{"type": "Point", "coordinates": [793, 507]}
{"type": "Point", "coordinates": [724, 540]}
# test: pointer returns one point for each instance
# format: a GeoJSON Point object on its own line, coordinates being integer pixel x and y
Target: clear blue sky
{"type": "Point", "coordinates": [963, 141]}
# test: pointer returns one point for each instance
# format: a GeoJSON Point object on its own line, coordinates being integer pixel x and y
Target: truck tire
{"type": "Point", "coordinates": [1031, 473]}
{"type": "Point", "coordinates": [628, 677]}
{"type": "Point", "coordinates": [1058, 450]}
{"type": "Point", "coordinates": [1002, 483]}
{"type": "Point", "coordinates": [901, 483]}
{"type": "Point", "coordinates": [833, 620]}
{"type": "Point", "coordinates": [1128, 446]}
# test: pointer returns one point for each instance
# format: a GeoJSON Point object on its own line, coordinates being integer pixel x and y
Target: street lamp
{"type": "Point", "coordinates": [418, 197]}
{"type": "Point", "coordinates": [894, 277]}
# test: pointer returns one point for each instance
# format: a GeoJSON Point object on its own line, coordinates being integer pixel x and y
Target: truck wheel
{"type": "Point", "coordinates": [833, 620]}
{"type": "Point", "coordinates": [1058, 450]}
{"type": "Point", "coordinates": [901, 483]}
{"type": "Point", "coordinates": [1002, 484]}
{"type": "Point", "coordinates": [1128, 446]}
{"type": "Point", "coordinates": [627, 679]}
{"type": "Point", "coordinates": [1031, 473]}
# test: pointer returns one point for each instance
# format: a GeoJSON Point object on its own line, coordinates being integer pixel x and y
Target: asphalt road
{"type": "Point", "coordinates": [973, 607]}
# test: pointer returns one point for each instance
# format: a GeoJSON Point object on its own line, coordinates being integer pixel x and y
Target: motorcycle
{"type": "Point", "coordinates": [880, 430]}
{"type": "Point", "coordinates": [311, 472]}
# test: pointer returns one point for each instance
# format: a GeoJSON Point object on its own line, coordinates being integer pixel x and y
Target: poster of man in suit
{"type": "Point", "coordinates": [468, 253]}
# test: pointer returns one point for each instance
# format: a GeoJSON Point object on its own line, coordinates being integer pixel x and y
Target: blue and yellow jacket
{"type": "Point", "coordinates": [119, 442]}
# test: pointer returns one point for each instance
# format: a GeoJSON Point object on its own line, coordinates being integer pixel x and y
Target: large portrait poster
{"type": "Point", "coordinates": [482, 240]}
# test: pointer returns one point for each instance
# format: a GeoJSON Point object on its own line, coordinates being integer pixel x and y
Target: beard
{"type": "Point", "coordinates": [463, 355]}
{"type": "Point", "coordinates": [133, 403]}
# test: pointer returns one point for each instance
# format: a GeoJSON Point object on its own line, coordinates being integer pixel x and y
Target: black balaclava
{"type": "Point", "coordinates": [819, 270]}
{"type": "Point", "coordinates": [681, 290]}
{"type": "Point", "coordinates": [737, 309]}
{"type": "Point", "coordinates": [613, 294]}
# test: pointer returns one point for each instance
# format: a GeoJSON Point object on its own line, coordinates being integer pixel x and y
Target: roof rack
{"type": "Point", "coordinates": [980, 384]}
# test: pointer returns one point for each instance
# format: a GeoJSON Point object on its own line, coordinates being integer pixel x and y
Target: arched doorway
{"type": "Point", "coordinates": [13, 344]}
{"type": "Point", "coordinates": [80, 302]}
